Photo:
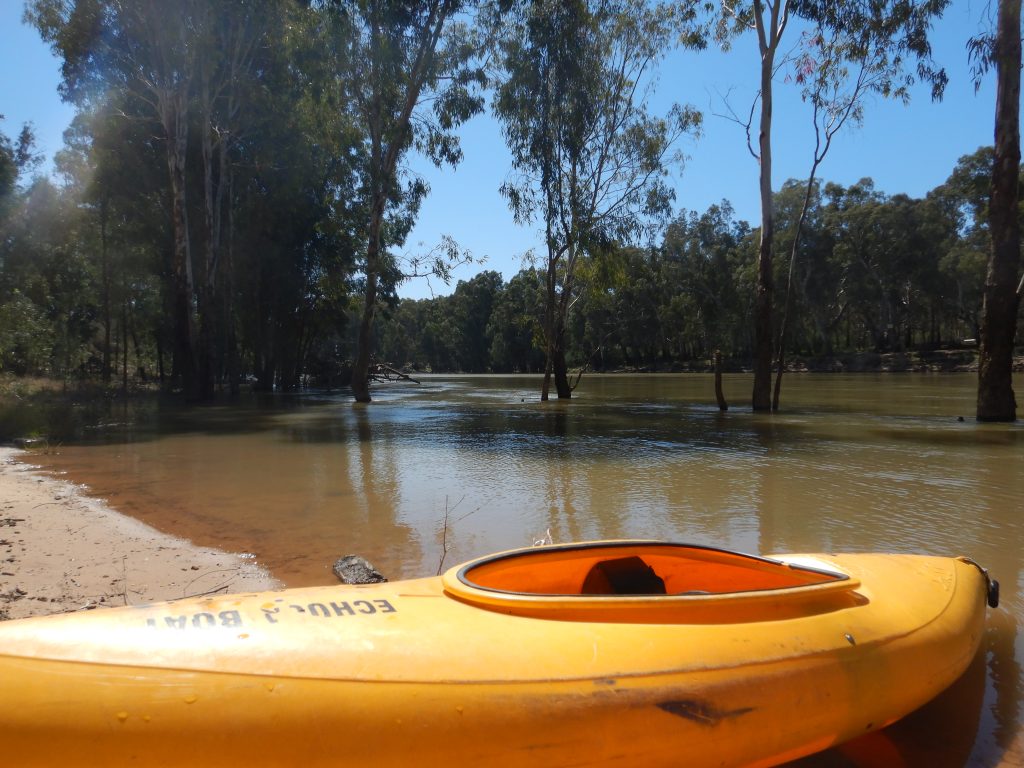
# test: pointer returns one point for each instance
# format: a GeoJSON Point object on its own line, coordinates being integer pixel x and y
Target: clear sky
{"type": "Point", "coordinates": [908, 149]}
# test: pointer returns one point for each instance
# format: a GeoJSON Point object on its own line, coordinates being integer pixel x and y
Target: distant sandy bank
{"type": "Point", "coordinates": [61, 550]}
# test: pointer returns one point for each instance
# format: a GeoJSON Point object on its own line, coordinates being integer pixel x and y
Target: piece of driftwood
{"type": "Point", "coordinates": [385, 372]}
{"type": "Point", "coordinates": [353, 569]}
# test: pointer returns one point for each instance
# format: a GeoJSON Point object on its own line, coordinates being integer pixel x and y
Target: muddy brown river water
{"type": "Point", "coordinates": [457, 467]}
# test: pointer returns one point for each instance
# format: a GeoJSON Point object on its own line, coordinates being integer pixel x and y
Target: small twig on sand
{"type": "Point", "coordinates": [221, 588]}
{"type": "Point", "coordinates": [203, 576]}
{"type": "Point", "coordinates": [124, 578]}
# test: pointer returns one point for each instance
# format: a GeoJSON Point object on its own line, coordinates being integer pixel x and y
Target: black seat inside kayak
{"type": "Point", "coordinates": [622, 576]}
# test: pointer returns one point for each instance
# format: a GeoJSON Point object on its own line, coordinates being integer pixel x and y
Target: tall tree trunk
{"type": "Point", "coordinates": [1002, 293]}
{"type": "Point", "coordinates": [788, 306]}
{"type": "Point", "coordinates": [175, 122]}
{"type": "Point", "coordinates": [550, 299]}
{"type": "Point", "coordinates": [105, 277]}
{"type": "Point", "coordinates": [160, 356]}
{"type": "Point", "coordinates": [361, 370]}
{"type": "Point", "coordinates": [719, 391]}
{"type": "Point", "coordinates": [388, 143]}
{"type": "Point", "coordinates": [545, 387]}
{"type": "Point", "coordinates": [208, 278]}
{"type": "Point", "coordinates": [124, 342]}
{"type": "Point", "coordinates": [230, 320]}
{"type": "Point", "coordinates": [768, 37]}
{"type": "Point", "coordinates": [558, 366]}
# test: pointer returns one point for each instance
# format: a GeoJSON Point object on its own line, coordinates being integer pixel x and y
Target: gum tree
{"type": "Point", "coordinates": [1002, 299]}
{"type": "Point", "coordinates": [588, 159]}
{"type": "Point", "coordinates": [893, 31]}
{"type": "Point", "coordinates": [410, 85]}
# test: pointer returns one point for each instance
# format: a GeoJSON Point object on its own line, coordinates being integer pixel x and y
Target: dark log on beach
{"type": "Point", "coordinates": [353, 569]}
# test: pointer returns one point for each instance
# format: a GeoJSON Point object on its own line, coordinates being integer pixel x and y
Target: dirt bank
{"type": "Point", "coordinates": [63, 551]}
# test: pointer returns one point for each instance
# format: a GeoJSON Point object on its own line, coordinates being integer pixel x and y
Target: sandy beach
{"type": "Point", "coordinates": [61, 550]}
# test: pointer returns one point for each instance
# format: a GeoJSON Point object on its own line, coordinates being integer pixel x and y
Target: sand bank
{"type": "Point", "coordinates": [61, 550]}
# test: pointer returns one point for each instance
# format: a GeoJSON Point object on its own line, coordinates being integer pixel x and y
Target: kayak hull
{"type": "Point", "coordinates": [420, 672]}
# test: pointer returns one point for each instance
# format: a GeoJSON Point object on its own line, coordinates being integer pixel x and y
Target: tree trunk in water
{"type": "Point", "coordinates": [996, 401]}
{"type": "Point", "coordinates": [361, 369]}
{"type": "Point", "coordinates": [719, 392]}
{"type": "Point", "coordinates": [762, 400]}
{"type": "Point", "coordinates": [160, 356]}
{"type": "Point", "coordinates": [550, 332]}
{"type": "Point", "coordinates": [762, 396]}
{"type": "Point", "coordinates": [559, 368]}
{"type": "Point", "coordinates": [788, 306]}
{"type": "Point", "coordinates": [545, 386]}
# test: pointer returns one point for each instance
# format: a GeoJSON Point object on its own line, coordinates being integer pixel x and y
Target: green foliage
{"type": "Point", "coordinates": [26, 336]}
{"type": "Point", "coordinates": [875, 273]}
{"type": "Point", "coordinates": [297, 121]}
{"type": "Point", "coordinates": [590, 159]}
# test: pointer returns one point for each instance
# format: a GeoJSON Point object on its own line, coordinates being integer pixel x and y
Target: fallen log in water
{"type": "Point", "coordinates": [383, 372]}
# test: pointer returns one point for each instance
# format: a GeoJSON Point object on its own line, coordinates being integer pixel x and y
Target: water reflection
{"type": "Point", "coordinates": [460, 467]}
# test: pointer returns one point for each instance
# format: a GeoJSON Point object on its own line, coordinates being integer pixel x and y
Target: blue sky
{"type": "Point", "coordinates": [904, 149]}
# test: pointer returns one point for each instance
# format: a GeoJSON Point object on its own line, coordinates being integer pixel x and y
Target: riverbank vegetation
{"type": "Point", "coordinates": [877, 274]}
{"type": "Point", "coordinates": [234, 192]}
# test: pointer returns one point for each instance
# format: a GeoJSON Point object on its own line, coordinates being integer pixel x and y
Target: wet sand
{"type": "Point", "coordinates": [61, 550]}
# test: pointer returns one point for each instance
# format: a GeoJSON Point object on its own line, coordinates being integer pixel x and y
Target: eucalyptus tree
{"type": "Point", "coordinates": [886, 33]}
{"type": "Point", "coordinates": [589, 159]}
{"type": "Point", "coordinates": [177, 67]}
{"type": "Point", "coordinates": [230, 95]}
{"type": "Point", "coordinates": [836, 72]}
{"type": "Point", "coordinates": [996, 401]}
{"type": "Point", "coordinates": [412, 79]}
{"type": "Point", "coordinates": [141, 49]}
{"type": "Point", "coordinates": [111, 171]}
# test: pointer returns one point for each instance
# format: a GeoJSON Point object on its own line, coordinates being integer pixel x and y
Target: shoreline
{"type": "Point", "coordinates": [62, 550]}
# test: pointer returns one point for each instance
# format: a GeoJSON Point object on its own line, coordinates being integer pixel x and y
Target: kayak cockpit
{"type": "Point", "coordinates": [647, 581]}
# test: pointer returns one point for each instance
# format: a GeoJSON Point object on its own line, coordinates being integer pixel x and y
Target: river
{"type": "Point", "coordinates": [433, 474]}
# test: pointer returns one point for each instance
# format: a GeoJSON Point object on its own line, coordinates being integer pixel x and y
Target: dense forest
{"type": "Point", "coordinates": [234, 190]}
{"type": "Point", "coordinates": [876, 273]}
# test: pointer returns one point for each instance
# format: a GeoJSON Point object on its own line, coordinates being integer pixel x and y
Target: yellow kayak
{"type": "Point", "coordinates": [619, 653]}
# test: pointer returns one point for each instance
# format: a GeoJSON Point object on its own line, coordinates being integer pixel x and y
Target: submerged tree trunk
{"type": "Point", "coordinates": [549, 323]}
{"type": "Point", "coordinates": [361, 368]}
{"type": "Point", "coordinates": [561, 313]}
{"type": "Point", "coordinates": [788, 306]}
{"type": "Point", "coordinates": [559, 368]}
{"type": "Point", "coordinates": [719, 391]}
{"type": "Point", "coordinates": [769, 35]}
{"type": "Point", "coordinates": [389, 134]}
{"type": "Point", "coordinates": [996, 400]}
